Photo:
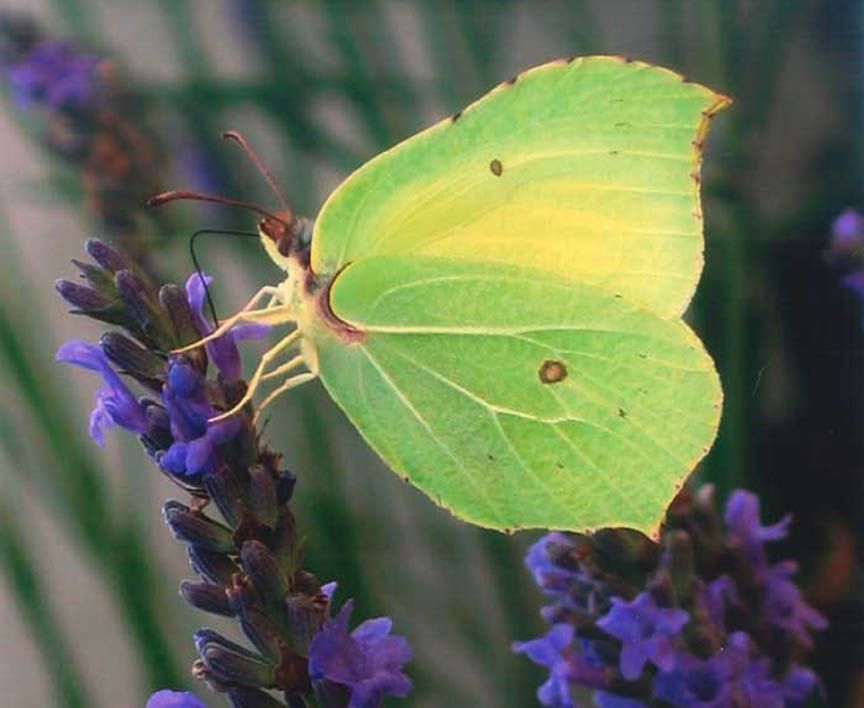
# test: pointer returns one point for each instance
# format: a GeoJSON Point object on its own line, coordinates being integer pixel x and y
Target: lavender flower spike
{"type": "Point", "coordinates": [115, 404]}
{"type": "Point", "coordinates": [247, 560]}
{"type": "Point", "coordinates": [173, 699]}
{"type": "Point", "coordinates": [367, 662]}
{"type": "Point", "coordinates": [55, 75]}
{"type": "Point", "coordinates": [718, 625]}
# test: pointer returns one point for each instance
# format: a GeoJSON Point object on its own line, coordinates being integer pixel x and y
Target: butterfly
{"type": "Point", "coordinates": [496, 302]}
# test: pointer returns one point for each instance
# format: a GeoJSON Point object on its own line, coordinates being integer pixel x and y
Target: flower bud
{"type": "Point", "coordinates": [138, 298]}
{"type": "Point", "coordinates": [97, 278]}
{"type": "Point", "coordinates": [660, 587]}
{"type": "Point", "coordinates": [106, 256]}
{"type": "Point", "coordinates": [262, 632]}
{"type": "Point", "coordinates": [264, 572]}
{"type": "Point", "coordinates": [196, 528]}
{"type": "Point", "coordinates": [130, 357]}
{"type": "Point", "coordinates": [207, 597]}
{"type": "Point", "coordinates": [304, 616]}
{"type": "Point", "coordinates": [83, 298]}
{"type": "Point", "coordinates": [232, 664]}
{"type": "Point", "coordinates": [262, 495]}
{"type": "Point", "coordinates": [284, 540]}
{"type": "Point", "coordinates": [175, 303]}
{"type": "Point", "coordinates": [200, 672]}
{"type": "Point", "coordinates": [678, 559]}
{"type": "Point", "coordinates": [157, 437]}
{"type": "Point", "coordinates": [214, 567]}
{"type": "Point", "coordinates": [226, 487]}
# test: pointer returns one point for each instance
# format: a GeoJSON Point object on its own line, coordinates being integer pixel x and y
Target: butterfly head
{"type": "Point", "coordinates": [286, 238]}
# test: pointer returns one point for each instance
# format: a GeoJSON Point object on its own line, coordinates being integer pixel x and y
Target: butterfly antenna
{"type": "Point", "coordinates": [259, 165]}
{"type": "Point", "coordinates": [181, 194]}
{"type": "Point", "coordinates": [224, 232]}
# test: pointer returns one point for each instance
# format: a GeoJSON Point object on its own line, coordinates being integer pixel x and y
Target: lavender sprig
{"type": "Point", "coordinates": [85, 115]}
{"type": "Point", "coordinates": [247, 554]}
{"type": "Point", "coordinates": [700, 619]}
{"type": "Point", "coordinates": [847, 249]}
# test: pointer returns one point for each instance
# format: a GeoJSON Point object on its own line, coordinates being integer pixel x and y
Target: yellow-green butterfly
{"type": "Point", "coordinates": [496, 302]}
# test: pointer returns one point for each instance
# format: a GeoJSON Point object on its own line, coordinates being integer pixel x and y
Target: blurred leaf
{"type": "Point", "coordinates": [22, 575]}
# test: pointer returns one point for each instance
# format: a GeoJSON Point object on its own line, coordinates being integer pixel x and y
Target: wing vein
{"type": "Point", "coordinates": [424, 423]}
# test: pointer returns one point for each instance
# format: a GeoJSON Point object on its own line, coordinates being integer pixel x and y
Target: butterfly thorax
{"type": "Point", "coordinates": [311, 303]}
{"type": "Point", "coordinates": [288, 242]}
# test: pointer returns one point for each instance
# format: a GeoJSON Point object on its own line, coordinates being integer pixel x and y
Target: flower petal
{"type": "Point", "coordinates": [372, 630]}
{"type": "Point", "coordinates": [633, 658]}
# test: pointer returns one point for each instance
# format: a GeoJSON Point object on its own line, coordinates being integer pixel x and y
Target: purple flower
{"type": "Point", "coordinates": [567, 667]}
{"type": "Point", "coordinates": [799, 684]}
{"type": "Point", "coordinates": [368, 661]}
{"type": "Point", "coordinates": [222, 350]}
{"type": "Point", "coordinates": [847, 232]}
{"type": "Point", "coordinates": [646, 632]}
{"type": "Point", "coordinates": [698, 682]}
{"type": "Point", "coordinates": [756, 686]}
{"type": "Point", "coordinates": [549, 651]}
{"type": "Point", "coordinates": [195, 441]}
{"type": "Point", "coordinates": [551, 578]}
{"type": "Point", "coordinates": [854, 281]}
{"type": "Point", "coordinates": [552, 652]}
{"type": "Point", "coordinates": [784, 608]}
{"type": "Point", "coordinates": [56, 76]}
{"type": "Point", "coordinates": [736, 675]}
{"type": "Point", "coordinates": [692, 683]}
{"type": "Point", "coordinates": [173, 699]}
{"type": "Point", "coordinates": [744, 529]}
{"type": "Point", "coordinates": [115, 404]}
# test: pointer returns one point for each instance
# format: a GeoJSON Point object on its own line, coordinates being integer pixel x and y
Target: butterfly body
{"type": "Point", "coordinates": [495, 303]}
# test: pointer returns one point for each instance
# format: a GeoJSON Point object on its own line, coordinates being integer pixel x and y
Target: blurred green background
{"type": "Point", "coordinates": [89, 612]}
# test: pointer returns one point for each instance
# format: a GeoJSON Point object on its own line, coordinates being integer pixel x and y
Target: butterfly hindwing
{"type": "Point", "coordinates": [517, 399]}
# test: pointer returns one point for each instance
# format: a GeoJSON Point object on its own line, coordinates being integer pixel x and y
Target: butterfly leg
{"type": "Point", "coordinates": [247, 314]}
{"type": "Point", "coordinates": [285, 368]}
{"type": "Point", "coordinates": [291, 382]}
{"type": "Point", "coordinates": [266, 359]}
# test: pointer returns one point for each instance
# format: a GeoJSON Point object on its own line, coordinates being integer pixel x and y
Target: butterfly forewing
{"type": "Point", "coordinates": [586, 169]}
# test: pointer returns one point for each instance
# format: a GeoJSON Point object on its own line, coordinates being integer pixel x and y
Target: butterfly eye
{"type": "Point", "coordinates": [279, 233]}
